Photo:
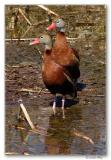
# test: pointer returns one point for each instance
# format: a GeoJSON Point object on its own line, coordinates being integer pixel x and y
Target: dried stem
{"type": "Point", "coordinates": [27, 115]}
{"type": "Point", "coordinates": [38, 90]}
{"type": "Point", "coordinates": [81, 135]}
{"type": "Point", "coordinates": [48, 10]}
{"type": "Point", "coordinates": [20, 10]}
{"type": "Point", "coordinates": [29, 39]}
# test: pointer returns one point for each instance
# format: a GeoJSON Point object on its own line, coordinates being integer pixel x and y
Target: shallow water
{"type": "Point", "coordinates": [83, 131]}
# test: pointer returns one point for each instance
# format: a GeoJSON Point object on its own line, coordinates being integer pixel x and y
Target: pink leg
{"type": "Point", "coordinates": [54, 106]}
{"type": "Point", "coordinates": [63, 111]}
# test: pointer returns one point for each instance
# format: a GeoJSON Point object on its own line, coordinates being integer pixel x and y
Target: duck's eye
{"type": "Point", "coordinates": [41, 37]}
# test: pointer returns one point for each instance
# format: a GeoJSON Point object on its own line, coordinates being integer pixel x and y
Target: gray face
{"type": "Point", "coordinates": [45, 39]}
{"type": "Point", "coordinates": [60, 23]}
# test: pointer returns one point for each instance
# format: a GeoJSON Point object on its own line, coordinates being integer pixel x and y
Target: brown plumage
{"type": "Point", "coordinates": [62, 53]}
{"type": "Point", "coordinates": [56, 77]}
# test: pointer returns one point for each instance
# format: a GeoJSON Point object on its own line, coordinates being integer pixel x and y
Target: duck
{"type": "Point", "coordinates": [56, 77]}
{"type": "Point", "coordinates": [62, 52]}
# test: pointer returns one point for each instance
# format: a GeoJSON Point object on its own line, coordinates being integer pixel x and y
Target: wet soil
{"type": "Point", "coordinates": [83, 131]}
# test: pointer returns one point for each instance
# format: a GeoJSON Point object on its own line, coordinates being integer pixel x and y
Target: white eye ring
{"type": "Point", "coordinates": [41, 37]}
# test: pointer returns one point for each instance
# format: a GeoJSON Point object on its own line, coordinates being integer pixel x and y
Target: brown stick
{"type": "Point", "coordinates": [48, 10]}
{"type": "Point", "coordinates": [27, 30]}
{"type": "Point", "coordinates": [11, 153]}
{"type": "Point", "coordinates": [29, 39]}
{"type": "Point", "coordinates": [27, 116]}
{"type": "Point", "coordinates": [14, 153]}
{"type": "Point", "coordinates": [25, 17]}
{"type": "Point", "coordinates": [81, 135]}
{"type": "Point", "coordinates": [33, 91]}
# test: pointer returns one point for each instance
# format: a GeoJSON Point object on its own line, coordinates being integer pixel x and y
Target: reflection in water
{"type": "Point", "coordinates": [34, 143]}
{"type": "Point", "coordinates": [73, 135]}
{"type": "Point", "coordinates": [25, 141]}
{"type": "Point", "coordinates": [60, 140]}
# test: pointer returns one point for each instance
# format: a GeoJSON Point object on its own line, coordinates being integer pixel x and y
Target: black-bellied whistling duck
{"type": "Point", "coordinates": [55, 77]}
{"type": "Point", "coordinates": [62, 53]}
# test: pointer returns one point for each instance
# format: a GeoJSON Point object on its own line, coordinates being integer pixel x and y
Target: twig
{"type": "Point", "coordinates": [11, 153]}
{"type": "Point", "coordinates": [48, 10]}
{"type": "Point", "coordinates": [36, 130]}
{"type": "Point", "coordinates": [14, 153]}
{"type": "Point", "coordinates": [81, 135]}
{"type": "Point", "coordinates": [10, 80]}
{"type": "Point", "coordinates": [25, 17]}
{"type": "Point", "coordinates": [101, 62]}
{"type": "Point", "coordinates": [33, 130]}
{"type": "Point", "coordinates": [97, 95]}
{"type": "Point", "coordinates": [40, 91]}
{"type": "Point", "coordinates": [29, 39]}
{"type": "Point", "coordinates": [14, 66]}
{"type": "Point", "coordinates": [33, 91]}
{"type": "Point", "coordinates": [21, 39]}
{"type": "Point", "coordinates": [27, 30]}
{"type": "Point", "coordinates": [29, 90]}
{"type": "Point", "coordinates": [26, 115]}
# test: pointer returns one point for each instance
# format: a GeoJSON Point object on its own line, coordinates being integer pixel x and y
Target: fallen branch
{"type": "Point", "coordinates": [14, 66]}
{"type": "Point", "coordinates": [34, 130]}
{"type": "Point", "coordinates": [33, 91]}
{"type": "Point", "coordinates": [11, 153]}
{"type": "Point", "coordinates": [102, 62]}
{"type": "Point", "coordinates": [27, 30]}
{"type": "Point", "coordinates": [26, 115]}
{"type": "Point", "coordinates": [48, 10]}
{"type": "Point", "coordinates": [21, 39]}
{"type": "Point", "coordinates": [30, 39]}
{"type": "Point", "coordinates": [81, 135]}
{"type": "Point", "coordinates": [38, 130]}
{"type": "Point", "coordinates": [29, 90]}
{"type": "Point", "coordinates": [10, 80]}
{"type": "Point", "coordinates": [25, 16]}
{"type": "Point", "coordinates": [14, 153]}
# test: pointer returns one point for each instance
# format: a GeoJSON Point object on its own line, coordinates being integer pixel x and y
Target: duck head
{"type": "Point", "coordinates": [58, 24]}
{"type": "Point", "coordinates": [43, 39]}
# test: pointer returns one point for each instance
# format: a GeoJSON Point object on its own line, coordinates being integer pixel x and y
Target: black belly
{"type": "Point", "coordinates": [65, 88]}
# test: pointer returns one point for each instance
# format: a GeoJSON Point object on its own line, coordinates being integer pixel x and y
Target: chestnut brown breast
{"type": "Point", "coordinates": [52, 72]}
